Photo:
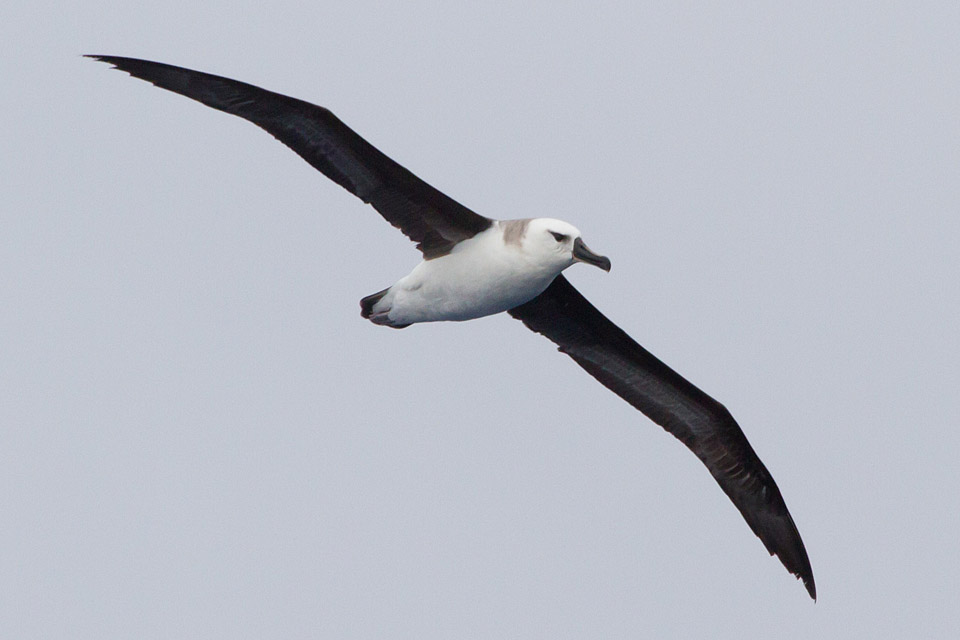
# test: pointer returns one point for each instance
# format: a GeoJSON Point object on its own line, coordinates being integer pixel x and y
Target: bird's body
{"type": "Point", "coordinates": [475, 266]}
{"type": "Point", "coordinates": [495, 270]}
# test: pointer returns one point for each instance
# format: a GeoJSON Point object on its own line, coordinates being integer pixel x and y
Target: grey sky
{"type": "Point", "coordinates": [202, 438]}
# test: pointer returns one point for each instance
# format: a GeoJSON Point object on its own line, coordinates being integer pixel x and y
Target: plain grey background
{"type": "Point", "coordinates": [201, 437]}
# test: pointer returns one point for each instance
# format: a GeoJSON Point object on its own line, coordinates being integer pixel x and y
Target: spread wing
{"type": "Point", "coordinates": [426, 216]}
{"type": "Point", "coordinates": [564, 316]}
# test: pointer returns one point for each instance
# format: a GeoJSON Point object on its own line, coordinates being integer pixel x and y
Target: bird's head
{"type": "Point", "coordinates": [557, 244]}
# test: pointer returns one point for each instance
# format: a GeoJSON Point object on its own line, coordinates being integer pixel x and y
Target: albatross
{"type": "Point", "coordinates": [475, 266]}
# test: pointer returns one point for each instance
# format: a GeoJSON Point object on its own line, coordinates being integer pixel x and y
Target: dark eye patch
{"type": "Point", "coordinates": [559, 237]}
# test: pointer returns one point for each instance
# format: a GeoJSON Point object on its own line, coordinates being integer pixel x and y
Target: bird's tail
{"type": "Point", "coordinates": [366, 304]}
{"type": "Point", "coordinates": [378, 316]}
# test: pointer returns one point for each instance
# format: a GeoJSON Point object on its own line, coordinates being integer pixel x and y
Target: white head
{"type": "Point", "coordinates": [556, 244]}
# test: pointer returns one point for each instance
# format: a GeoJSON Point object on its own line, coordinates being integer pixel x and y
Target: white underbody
{"type": "Point", "coordinates": [481, 276]}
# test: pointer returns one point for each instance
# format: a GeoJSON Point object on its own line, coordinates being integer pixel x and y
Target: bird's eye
{"type": "Point", "coordinates": [559, 237]}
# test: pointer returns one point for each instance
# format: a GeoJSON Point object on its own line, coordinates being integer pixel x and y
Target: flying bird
{"type": "Point", "coordinates": [475, 266]}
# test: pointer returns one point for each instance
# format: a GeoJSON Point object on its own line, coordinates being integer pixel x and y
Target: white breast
{"type": "Point", "coordinates": [482, 276]}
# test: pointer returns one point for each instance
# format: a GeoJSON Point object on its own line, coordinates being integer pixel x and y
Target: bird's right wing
{"type": "Point", "coordinates": [433, 220]}
{"type": "Point", "coordinates": [563, 315]}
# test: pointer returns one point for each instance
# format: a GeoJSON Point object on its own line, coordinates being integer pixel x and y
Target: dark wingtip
{"type": "Point", "coordinates": [99, 57]}
{"type": "Point", "coordinates": [115, 62]}
{"type": "Point", "coordinates": [797, 562]}
{"type": "Point", "coordinates": [118, 62]}
{"type": "Point", "coordinates": [794, 557]}
{"type": "Point", "coordinates": [800, 566]}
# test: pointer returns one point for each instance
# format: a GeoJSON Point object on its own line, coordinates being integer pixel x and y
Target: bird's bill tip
{"type": "Point", "coordinates": [581, 253]}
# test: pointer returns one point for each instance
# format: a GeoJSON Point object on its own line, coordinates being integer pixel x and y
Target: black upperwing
{"type": "Point", "coordinates": [563, 315]}
{"type": "Point", "coordinates": [425, 215]}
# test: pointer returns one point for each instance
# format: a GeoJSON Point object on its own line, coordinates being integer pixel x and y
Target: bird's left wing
{"type": "Point", "coordinates": [427, 216]}
{"type": "Point", "coordinates": [564, 316]}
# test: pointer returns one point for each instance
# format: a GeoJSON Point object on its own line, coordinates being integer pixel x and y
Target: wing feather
{"type": "Point", "coordinates": [433, 220]}
{"type": "Point", "coordinates": [704, 425]}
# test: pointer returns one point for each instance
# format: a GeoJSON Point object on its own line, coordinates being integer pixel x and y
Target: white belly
{"type": "Point", "coordinates": [481, 277]}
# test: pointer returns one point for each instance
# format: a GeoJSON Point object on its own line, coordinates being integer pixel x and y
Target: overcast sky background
{"type": "Point", "coordinates": [202, 438]}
